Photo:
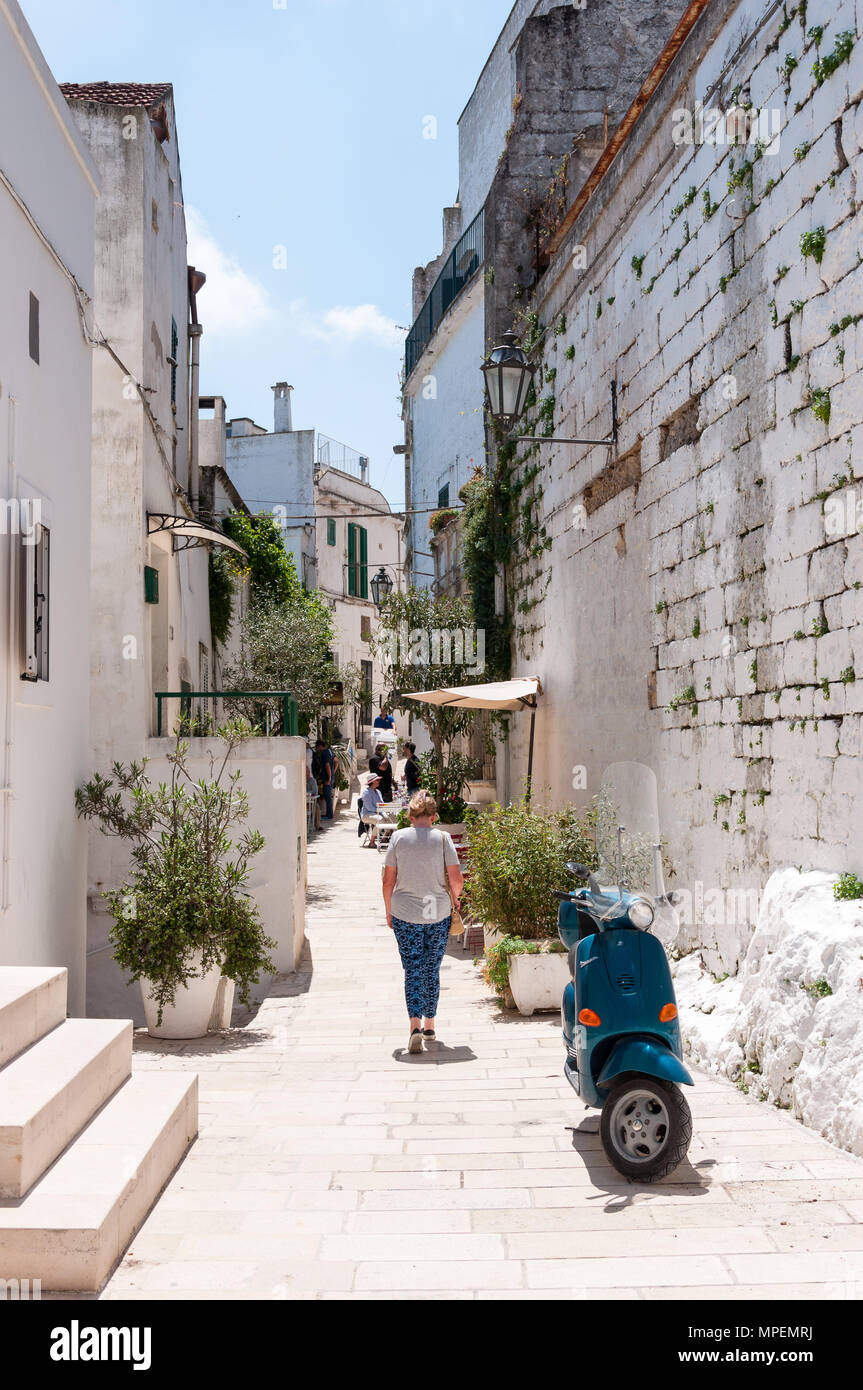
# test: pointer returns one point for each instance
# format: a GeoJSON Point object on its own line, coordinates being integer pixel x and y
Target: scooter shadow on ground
{"type": "Point", "coordinates": [688, 1180]}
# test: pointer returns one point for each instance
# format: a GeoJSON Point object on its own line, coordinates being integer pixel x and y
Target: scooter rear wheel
{"type": "Point", "coordinates": [645, 1128]}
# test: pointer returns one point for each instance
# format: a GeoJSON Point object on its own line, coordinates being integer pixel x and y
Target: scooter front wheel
{"type": "Point", "coordinates": [645, 1128]}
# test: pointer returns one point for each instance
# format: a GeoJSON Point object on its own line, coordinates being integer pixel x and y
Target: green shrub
{"type": "Point", "coordinates": [496, 965]}
{"type": "Point", "coordinates": [517, 857]}
{"type": "Point", "coordinates": [848, 887]}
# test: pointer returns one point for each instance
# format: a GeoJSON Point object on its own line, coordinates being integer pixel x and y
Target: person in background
{"type": "Point", "coordinates": [369, 808]}
{"type": "Point", "coordinates": [412, 769]}
{"type": "Point", "coordinates": [385, 769]}
{"type": "Point", "coordinates": [326, 777]}
{"type": "Point", "coordinates": [384, 720]}
{"type": "Point", "coordinates": [420, 863]}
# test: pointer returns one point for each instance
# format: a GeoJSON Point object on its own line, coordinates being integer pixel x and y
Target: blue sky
{"type": "Point", "coordinates": [300, 127]}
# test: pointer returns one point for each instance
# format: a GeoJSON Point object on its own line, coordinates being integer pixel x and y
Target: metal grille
{"type": "Point", "coordinates": [626, 984]}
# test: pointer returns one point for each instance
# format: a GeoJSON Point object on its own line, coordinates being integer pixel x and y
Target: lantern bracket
{"type": "Point", "coordinates": [610, 440]}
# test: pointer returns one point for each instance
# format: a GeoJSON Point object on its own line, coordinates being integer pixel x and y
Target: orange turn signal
{"type": "Point", "coordinates": [667, 1013]}
{"type": "Point", "coordinates": [589, 1018]}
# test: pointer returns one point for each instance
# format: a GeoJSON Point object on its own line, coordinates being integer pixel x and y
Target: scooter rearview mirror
{"type": "Point", "coordinates": [579, 870]}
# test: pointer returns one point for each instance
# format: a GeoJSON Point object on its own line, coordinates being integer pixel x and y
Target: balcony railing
{"type": "Point", "coordinates": [460, 266]}
{"type": "Point", "coordinates": [329, 453]}
{"type": "Point", "coordinates": [281, 718]}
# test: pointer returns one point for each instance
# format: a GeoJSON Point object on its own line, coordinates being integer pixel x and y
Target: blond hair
{"type": "Point", "coordinates": [422, 803]}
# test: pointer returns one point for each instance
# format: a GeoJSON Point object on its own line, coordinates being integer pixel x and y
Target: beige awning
{"type": "Point", "coordinates": [189, 532]}
{"type": "Point", "coordinates": [517, 694]}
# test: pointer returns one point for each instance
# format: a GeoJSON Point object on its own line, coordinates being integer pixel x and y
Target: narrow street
{"type": "Point", "coordinates": [332, 1164]}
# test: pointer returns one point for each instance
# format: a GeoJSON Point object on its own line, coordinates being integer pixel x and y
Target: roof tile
{"type": "Point", "coordinates": [117, 93]}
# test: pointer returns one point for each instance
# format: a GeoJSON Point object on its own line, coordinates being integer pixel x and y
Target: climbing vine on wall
{"type": "Point", "coordinates": [503, 524]}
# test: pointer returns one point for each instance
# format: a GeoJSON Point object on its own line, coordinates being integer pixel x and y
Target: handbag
{"type": "Point", "coordinates": [456, 923]}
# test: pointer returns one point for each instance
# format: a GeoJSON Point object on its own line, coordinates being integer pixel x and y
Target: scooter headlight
{"type": "Point", "coordinates": [641, 914]}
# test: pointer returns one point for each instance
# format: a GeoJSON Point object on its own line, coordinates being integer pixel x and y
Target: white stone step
{"type": "Point", "coordinates": [49, 1092]}
{"type": "Point", "coordinates": [32, 1002]}
{"type": "Point", "coordinates": [73, 1226]}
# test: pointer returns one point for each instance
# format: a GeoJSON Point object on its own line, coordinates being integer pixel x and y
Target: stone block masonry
{"type": "Point", "coordinates": [708, 619]}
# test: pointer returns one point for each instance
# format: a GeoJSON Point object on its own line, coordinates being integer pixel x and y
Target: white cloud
{"type": "Point", "coordinates": [232, 302]}
{"type": "Point", "coordinates": [348, 324]}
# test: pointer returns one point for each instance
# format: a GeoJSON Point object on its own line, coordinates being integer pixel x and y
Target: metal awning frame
{"type": "Point", "coordinates": [188, 533]}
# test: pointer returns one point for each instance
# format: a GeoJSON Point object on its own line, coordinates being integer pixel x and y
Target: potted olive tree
{"type": "Point", "coordinates": [517, 857]}
{"type": "Point", "coordinates": [183, 918]}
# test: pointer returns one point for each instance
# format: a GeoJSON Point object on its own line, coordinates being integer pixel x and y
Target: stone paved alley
{"type": "Point", "coordinates": [330, 1164]}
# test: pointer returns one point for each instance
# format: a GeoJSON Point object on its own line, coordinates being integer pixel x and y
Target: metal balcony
{"type": "Point", "coordinates": [459, 268]}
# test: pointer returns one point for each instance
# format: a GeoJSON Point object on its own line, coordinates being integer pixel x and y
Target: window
{"type": "Point", "coordinates": [368, 678]}
{"type": "Point", "coordinates": [331, 530]}
{"type": "Point", "coordinates": [34, 328]}
{"type": "Point", "coordinates": [37, 578]}
{"type": "Point", "coordinates": [443, 496]}
{"type": "Point", "coordinates": [365, 628]}
{"type": "Point", "coordinates": [358, 561]}
{"type": "Point", "coordinates": [151, 584]}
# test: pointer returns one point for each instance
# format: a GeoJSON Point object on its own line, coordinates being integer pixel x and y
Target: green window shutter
{"type": "Point", "coordinates": [331, 530]}
{"type": "Point", "coordinates": [151, 584]}
{"type": "Point", "coordinates": [364, 562]}
{"type": "Point", "coordinates": [443, 496]}
{"type": "Point", "coordinates": [352, 560]}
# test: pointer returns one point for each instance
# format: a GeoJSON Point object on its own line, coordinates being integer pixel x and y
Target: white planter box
{"type": "Point", "coordinates": [190, 1015]}
{"type": "Point", "coordinates": [538, 982]}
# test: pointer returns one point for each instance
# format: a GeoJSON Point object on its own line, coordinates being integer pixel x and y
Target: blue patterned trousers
{"type": "Point", "coordinates": [421, 946]}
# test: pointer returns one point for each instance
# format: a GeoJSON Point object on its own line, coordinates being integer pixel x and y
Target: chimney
{"type": "Point", "coordinates": [282, 408]}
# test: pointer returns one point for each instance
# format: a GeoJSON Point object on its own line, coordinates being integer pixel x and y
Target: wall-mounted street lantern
{"type": "Point", "coordinates": [508, 375]}
{"type": "Point", "coordinates": [381, 586]}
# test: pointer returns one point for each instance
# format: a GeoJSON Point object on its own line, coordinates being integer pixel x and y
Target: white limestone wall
{"type": "Point", "coordinates": [273, 775]}
{"type": "Point", "coordinates": [722, 571]}
{"type": "Point", "coordinates": [445, 407]}
{"type": "Point", "coordinates": [45, 451]}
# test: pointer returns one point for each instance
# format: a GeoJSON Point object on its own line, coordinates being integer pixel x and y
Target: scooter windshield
{"type": "Point", "coordinates": [627, 833]}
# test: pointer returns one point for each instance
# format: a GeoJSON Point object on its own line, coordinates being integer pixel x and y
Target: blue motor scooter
{"type": "Point", "coordinates": [620, 1026]}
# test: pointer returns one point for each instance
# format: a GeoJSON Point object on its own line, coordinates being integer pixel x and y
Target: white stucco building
{"type": "Point", "coordinates": [48, 188]}
{"type": "Point", "coordinates": [149, 580]}
{"type": "Point", "coordinates": [338, 528]}
{"type": "Point", "coordinates": [357, 535]}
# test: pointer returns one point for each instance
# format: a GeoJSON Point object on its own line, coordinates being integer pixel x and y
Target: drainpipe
{"type": "Point", "coordinates": [195, 331]}
{"type": "Point", "coordinates": [196, 281]}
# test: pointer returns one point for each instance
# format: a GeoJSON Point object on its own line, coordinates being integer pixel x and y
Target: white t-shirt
{"type": "Point", "coordinates": [418, 854]}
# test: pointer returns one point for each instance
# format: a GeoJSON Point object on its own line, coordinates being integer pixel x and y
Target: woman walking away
{"type": "Point", "coordinates": [420, 862]}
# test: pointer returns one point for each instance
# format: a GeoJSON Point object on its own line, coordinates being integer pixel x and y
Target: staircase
{"type": "Point", "coordinates": [85, 1147]}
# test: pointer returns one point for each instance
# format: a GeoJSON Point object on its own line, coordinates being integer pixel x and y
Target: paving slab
{"type": "Point", "coordinates": [333, 1165]}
